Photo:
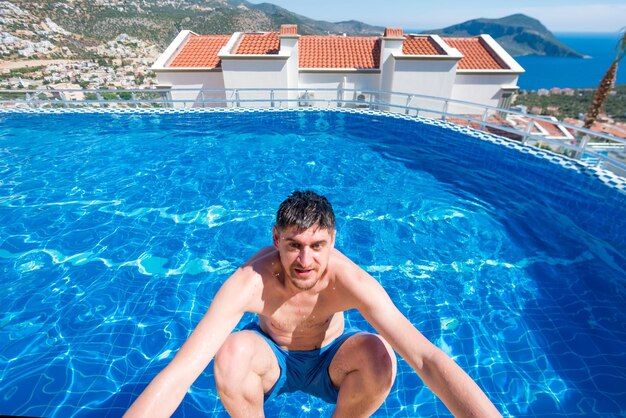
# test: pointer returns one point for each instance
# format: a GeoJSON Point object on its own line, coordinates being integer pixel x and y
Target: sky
{"type": "Point", "coordinates": [556, 15]}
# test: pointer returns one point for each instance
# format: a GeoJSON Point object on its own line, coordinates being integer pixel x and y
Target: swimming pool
{"type": "Point", "coordinates": [117, 229]}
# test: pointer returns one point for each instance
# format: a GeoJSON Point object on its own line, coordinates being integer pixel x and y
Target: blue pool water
{"type": "Point", "coordinates": [117, 229]}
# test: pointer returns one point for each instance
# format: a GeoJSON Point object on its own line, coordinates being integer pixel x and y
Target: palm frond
{"type": "Point", "coordinates": [606, 84]}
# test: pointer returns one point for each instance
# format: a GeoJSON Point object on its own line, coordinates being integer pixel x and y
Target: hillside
{"type": "Point", "coordinates": [518, 34]}
{"type": "Point", "coordinates": [74, 28]}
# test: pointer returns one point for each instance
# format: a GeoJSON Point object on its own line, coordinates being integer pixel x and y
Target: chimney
{"type": "Point", "coordinates": [393, 33]}
{"type": "Point", "coordinates": [390, 45]}
{"type": "Point", "coordinates": [288, 30]}
{"type": "Point", "coordinates": [288, 37]}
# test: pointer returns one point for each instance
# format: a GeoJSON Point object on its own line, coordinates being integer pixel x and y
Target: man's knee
{"type": "Point", "coordinates": [245, 364]}
{"type": "Point", "coordinates": [378, 357]}
{"type": "Point", "coordinates": [238, 350]}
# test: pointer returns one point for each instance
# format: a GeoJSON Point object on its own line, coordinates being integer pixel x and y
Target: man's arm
{"type": "Point", "coordinates": [167, 390]}
{"type": "Point", "coordinates": [444, 377]}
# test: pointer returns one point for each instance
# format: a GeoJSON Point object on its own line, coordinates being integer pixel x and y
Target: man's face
{"type": "Point", "coordinates": [304, 254]}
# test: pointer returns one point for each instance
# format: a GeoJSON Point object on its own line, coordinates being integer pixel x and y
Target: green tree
{"type": "Point", "coordinates": [606, 84]}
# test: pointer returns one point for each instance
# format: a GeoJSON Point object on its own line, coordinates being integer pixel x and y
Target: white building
{"type": "Point", "coordinates": [474, 69]}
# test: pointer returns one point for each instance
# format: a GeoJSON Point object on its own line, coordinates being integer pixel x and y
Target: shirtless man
{"type": "Point", "coordinates": [299, 288]}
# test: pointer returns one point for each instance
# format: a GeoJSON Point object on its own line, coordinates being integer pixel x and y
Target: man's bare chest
{"type": "Point", "coordinates": [300, 315]}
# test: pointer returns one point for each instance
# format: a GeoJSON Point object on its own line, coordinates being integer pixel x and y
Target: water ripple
{"type": "Point", "coordinates": [116, 232]}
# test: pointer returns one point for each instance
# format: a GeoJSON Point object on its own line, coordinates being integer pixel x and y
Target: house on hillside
{"type": "Point", "coordinates": [473, 69]}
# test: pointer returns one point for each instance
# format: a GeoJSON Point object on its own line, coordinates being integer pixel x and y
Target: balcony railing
{"type": "Point", "coordinates": [593, 148]}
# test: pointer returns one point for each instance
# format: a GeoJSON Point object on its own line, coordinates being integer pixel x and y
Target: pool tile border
{"type": "Point", "coordinates": [607, 177]}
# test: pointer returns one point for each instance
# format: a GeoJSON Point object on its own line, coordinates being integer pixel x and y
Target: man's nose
{"type": "Point", "coordinates": [304, 257]}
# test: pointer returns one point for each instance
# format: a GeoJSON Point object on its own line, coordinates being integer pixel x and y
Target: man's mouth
{"type": "Point", "coordinates": [302, 272]}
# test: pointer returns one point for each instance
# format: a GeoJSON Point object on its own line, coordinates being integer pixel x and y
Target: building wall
{"type": "Point", "coordinates": [423, 76]}
{"type": "Point", "coordinates": [267, 73]}
{"type": "Point", "coordinates": [355, 81]}
{"type": "Point", "coordinates": [485, 89]}
{"type": "Point", "coordinates": [420, 77]}
{"type": "Point", "coordinates": [289, 47]}
{"type": "Point", "coordinates": [389, 47]}
{"type": "Point", "coordinates": [292, 68]}
{"type": "Point", "coordinates": [192, 80]}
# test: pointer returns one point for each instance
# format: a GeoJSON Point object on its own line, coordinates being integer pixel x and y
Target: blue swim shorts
{"type": "Point", "coordinates": [304, 370]}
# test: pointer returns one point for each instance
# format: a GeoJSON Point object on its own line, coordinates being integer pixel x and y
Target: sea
{"type": "Point", "coordinates": [547, 72]}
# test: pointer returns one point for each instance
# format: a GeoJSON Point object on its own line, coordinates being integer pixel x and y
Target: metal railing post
{"type": "Point", "coordinates": [527, 132]}
{"type": "Point", "coordinates": [272, 98]}
{"type": "Point", "coordinates": [444, 112]}
{"type": "Point", "coordinates": [29, 100]}
{"type": "Point", "coordinates": [484, 119]}
{"type": "Point", "coordinates": [408, 103]}
{"type": "Point", "coordinates": [582, 147]}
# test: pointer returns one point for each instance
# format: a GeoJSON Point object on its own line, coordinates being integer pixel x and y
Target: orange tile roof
{"type": "Point", "coordinates": [331, 51]}
{"type": "Point", "coordinates": [420, 45]}
{"type": "Point", "coordinates": [476, 54]}
{"type": "Point", "coordinates": [610, 129]}
{"type": "Point", "coordinates": [339, 52]}
{"type": "Point", "coordinates": [258, 43]}
{"type": "Point", "coordinates": [200, 52]}
{"type": "Point", "coordinates": [552, 129]}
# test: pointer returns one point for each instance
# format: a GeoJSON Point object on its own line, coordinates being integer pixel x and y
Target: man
{"type": "Point", "coordinates": [299, 288]}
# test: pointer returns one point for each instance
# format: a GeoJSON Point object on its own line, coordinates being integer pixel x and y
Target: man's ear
{"type": "Point", "coordinates": [275, 236]}
{"type": "Point", "coordinates": [333, 236]}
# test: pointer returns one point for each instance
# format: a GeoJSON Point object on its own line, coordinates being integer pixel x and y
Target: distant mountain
{"type": "Point", "coordinates": [306, 26]}
{"type": "Point", "coordinates": [78, 28]}
{"type": "Point", "coordinates": [518, 34]}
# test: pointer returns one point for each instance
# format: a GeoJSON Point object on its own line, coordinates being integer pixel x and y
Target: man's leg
{"type": "Point", "coordinates": [364, 369]}
{"type": "Point", "coordinates": [245, 369]}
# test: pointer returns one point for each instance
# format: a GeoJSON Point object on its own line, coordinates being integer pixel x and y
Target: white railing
{"type": "Point", "coordinates": [592, 147]}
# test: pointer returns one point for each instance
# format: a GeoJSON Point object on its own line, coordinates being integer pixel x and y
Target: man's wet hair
{"type": "Point", "coordinates": [305, 209]}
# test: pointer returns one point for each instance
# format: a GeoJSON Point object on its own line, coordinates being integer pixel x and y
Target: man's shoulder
{"type": "Point", "coordinates": [354, 285]}
{"type": "Point", "coordinates": [339, 257]}
{"type": "Point", "coordinates": [258, 266]}
{"type": "Point", "coordinates": [266, 255]}
{"type": "Point", "coordinates": [343, 268]}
